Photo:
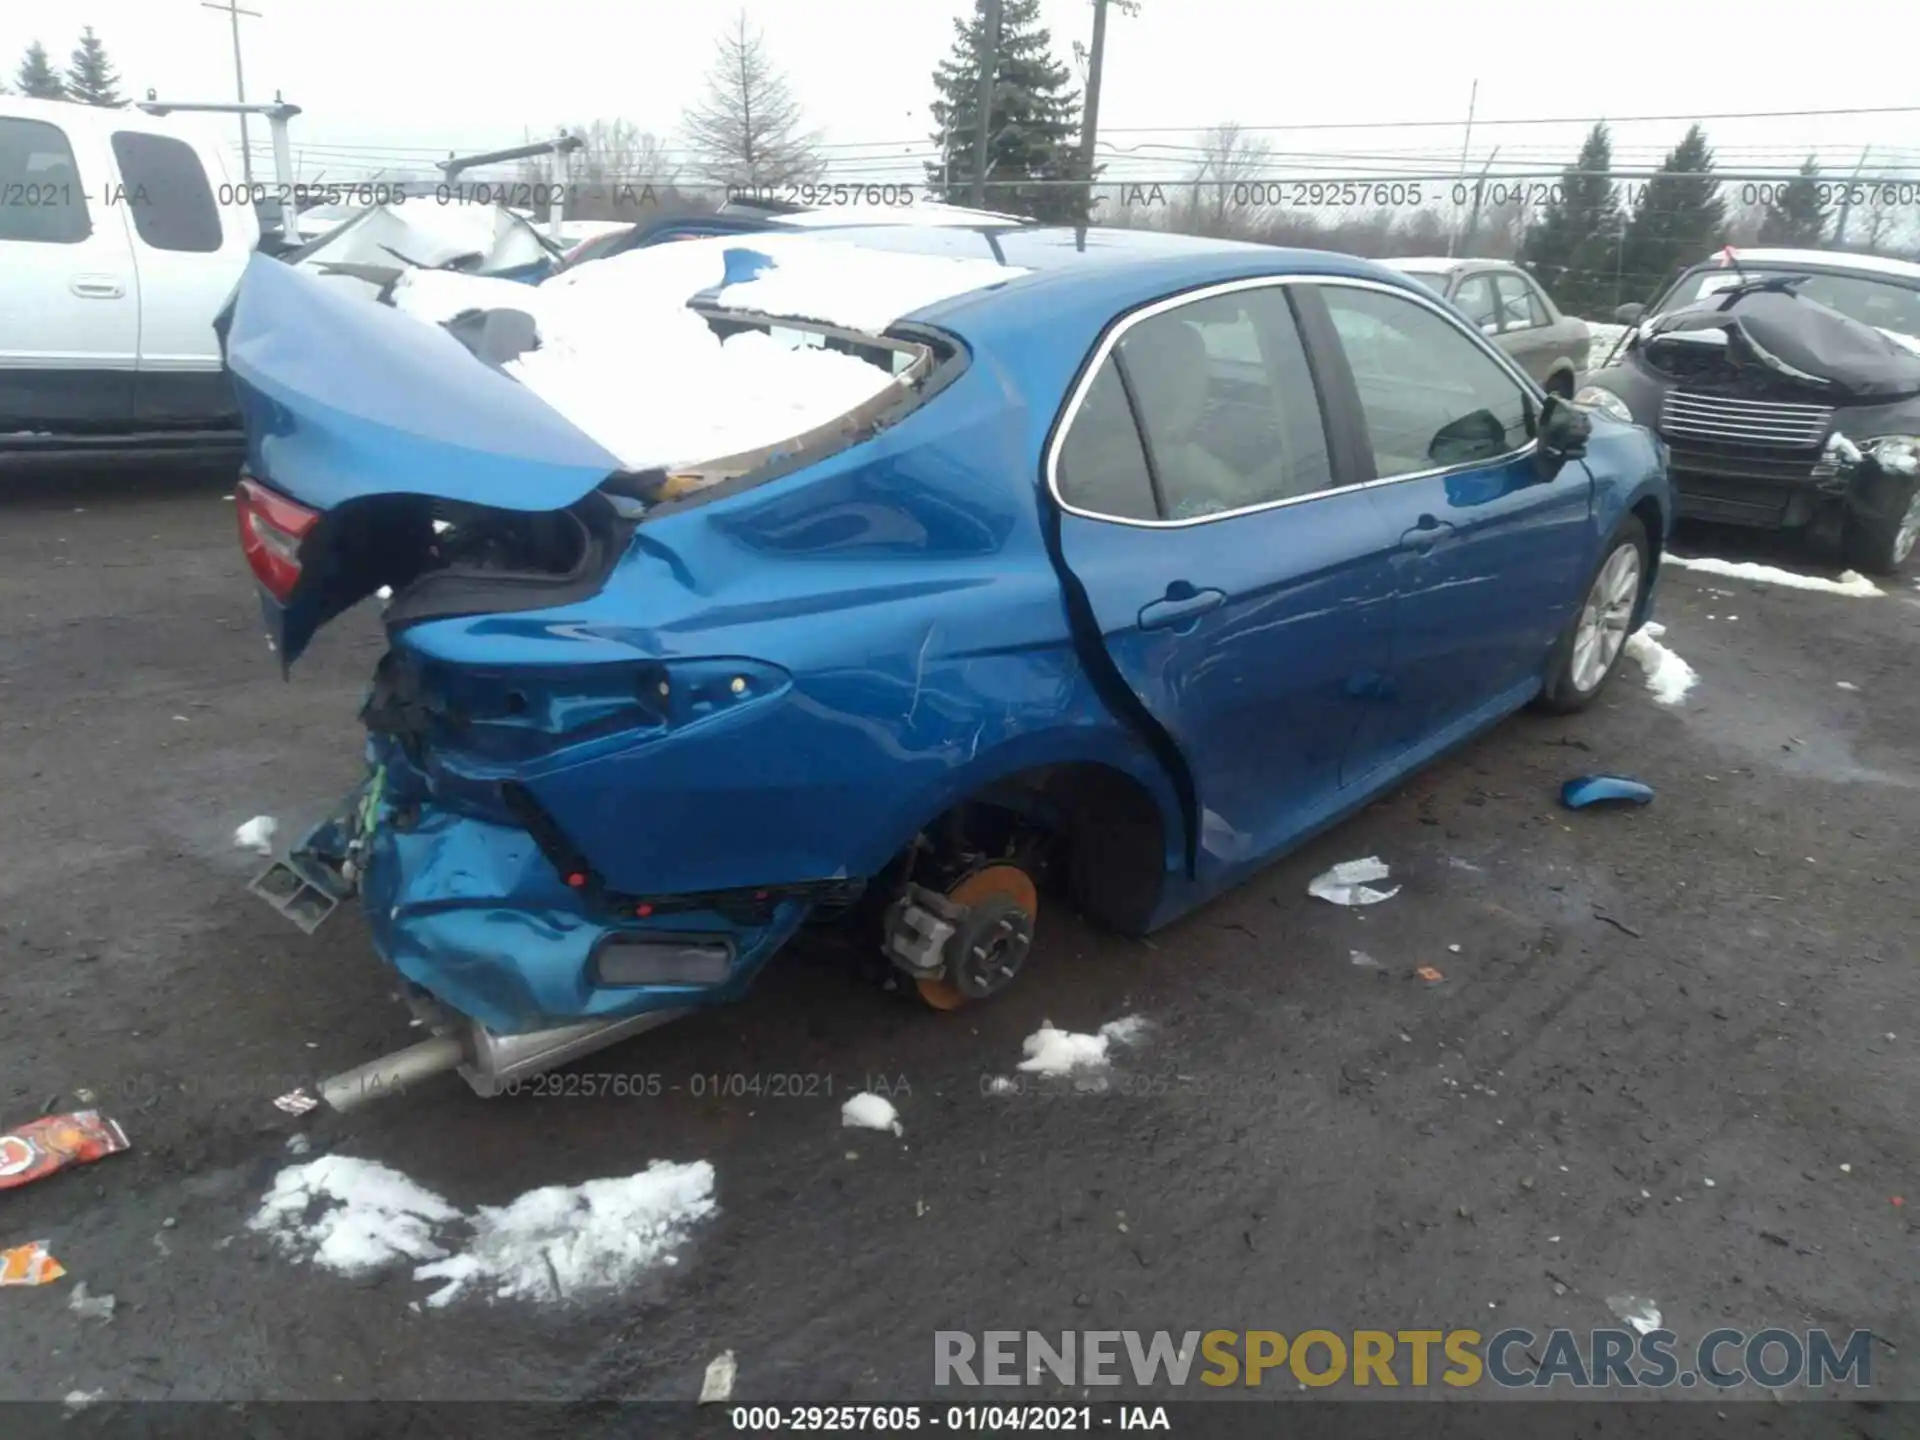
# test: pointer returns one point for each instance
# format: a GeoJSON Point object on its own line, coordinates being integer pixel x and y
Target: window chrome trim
{"type": "Point", "coordinates": [1152, 308]}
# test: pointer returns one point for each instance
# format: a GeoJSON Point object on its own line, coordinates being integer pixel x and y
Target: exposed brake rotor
{"type": "Point", "coordinates": [991, 945]}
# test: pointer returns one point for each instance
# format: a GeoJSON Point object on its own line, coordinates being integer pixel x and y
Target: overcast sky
{"type": "Point", "coordinates": [406, 80]}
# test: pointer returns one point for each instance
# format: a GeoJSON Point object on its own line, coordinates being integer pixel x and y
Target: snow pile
{"type": "Point", "coordinates": [870, 1112]}
{"type": "Point", "coordinates": [1669, 678]}
{"type": "Point", "coordinates": [1051, 1051]}
{"type": "Point", "coordinates": [257, 834]}
{"type": "Point", "coordinates": [1851, 582]}
{"type": "Point", "coordinates": [356, 1217]}
{"type": "Point", "coordinates": [1605, 336]}
{"type": "Point", "coordinates": [622, 357]}
{"type": "Point", "coordinates": [373, 1217]}
{"type": "Point", "coordinates": [1346, 883]}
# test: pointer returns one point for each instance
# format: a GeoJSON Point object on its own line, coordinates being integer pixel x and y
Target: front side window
{"type": "Point", "coordinates": [1520, 308]}
{"type": "Point", "coordinates": [41, 198]}
{"type": "Point", "coordinates": [167, 191]}
{"type": "Point", "coordinates": [1432, 398]}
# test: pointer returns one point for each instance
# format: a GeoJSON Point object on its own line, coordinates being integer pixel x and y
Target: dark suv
{"type": "Point", "coordinates": [1787, 385]}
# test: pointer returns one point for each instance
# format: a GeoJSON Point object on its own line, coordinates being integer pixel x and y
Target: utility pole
{"type": "Point", "coordinates": [1473, 98]}
{"type": "Point", "coordinates": [1090, 116]}
{"type": "Point", "coordinates": [233, 13]}
{"type": "Point", "coordinates": [1846, 202]}
{"type": "Point", "coordinates": [983, 98]}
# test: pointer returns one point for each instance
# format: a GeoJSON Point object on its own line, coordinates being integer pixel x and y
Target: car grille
{"type": "Point", "coordinates": [1722, 421]}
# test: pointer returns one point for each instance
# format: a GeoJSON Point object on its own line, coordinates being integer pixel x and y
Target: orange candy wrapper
{"type": "Point", "coordinates": [29, 1265]}
{"type": "Point", "coordinates": [40, 1147]}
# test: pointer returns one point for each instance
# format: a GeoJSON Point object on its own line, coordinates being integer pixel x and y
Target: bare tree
{"type": "Point", "coordinates": [1222, 199]}
{"type": "Point", "coordinates": [747, 129]}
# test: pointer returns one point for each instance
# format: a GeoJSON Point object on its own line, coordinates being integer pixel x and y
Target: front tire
{"type": "Point", "coordinates": [1883, 547]}
{"type": "Point", "coordinates": [1596, 638]}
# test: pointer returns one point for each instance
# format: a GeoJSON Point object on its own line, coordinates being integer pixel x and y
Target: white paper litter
{"type": "Point", "coordinates": [257, 834]}
{"type": "Point", "coordinates": [1052, 1051]}
{"type": "Point", "coordinates": [1851, 582]}
{"type": "Point", "coordinates": [356, 1217]}
{"type": "Point", "coordinates": [90, 1307]}
{"type": "Point", "coordinates": [1669, 678]}
{"type": "Point", "coordinates": [870, 1112]}
{"type": "Point", "coordinates": [1346, 883]}
{"type": "Point", "coordinates": [1642, 1314]}
{"type": "Point", "coordinates": [717, 1386]}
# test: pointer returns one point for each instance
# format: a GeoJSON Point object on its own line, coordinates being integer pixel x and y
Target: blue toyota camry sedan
{"type": "Point", "coordinates": [887, 578]}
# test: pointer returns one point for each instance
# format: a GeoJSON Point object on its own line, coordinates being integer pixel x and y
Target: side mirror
{"type": "Point", "coordinates": [1563, 432]}
{"type": "Point", "coordinates": [1629, 314]}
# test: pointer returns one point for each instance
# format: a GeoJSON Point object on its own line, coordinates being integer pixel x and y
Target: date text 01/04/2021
{"type": "Point", "coordinates": [989, 1419]}
{"type": "Point", "coordinates": [703, 1085]}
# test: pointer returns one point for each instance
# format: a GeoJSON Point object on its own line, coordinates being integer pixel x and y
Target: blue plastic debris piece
{"type": "Point", "coordinates": [744, 264]}
{"type": "Point", "coordinates": [1584, 790]}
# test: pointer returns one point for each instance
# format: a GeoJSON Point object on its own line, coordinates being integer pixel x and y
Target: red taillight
{"type": "Point", "coordinates": [271, 529]}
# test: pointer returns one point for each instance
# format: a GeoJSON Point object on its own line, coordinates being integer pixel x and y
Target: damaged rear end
{"type": "Point", "coordinates": [393, 457]}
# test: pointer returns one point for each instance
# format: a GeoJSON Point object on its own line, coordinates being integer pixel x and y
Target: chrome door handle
{"type": "Point", "coordinates": [97, 287]}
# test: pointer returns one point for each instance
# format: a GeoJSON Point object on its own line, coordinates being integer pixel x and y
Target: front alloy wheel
{"type": "Point", "coordinates": [1602, 628]}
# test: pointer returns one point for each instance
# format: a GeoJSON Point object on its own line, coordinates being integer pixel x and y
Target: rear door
{"type": "Point", "coordinates": [1526, 331]}
{"type": "Point", "coordinates": [192, 235]}
{"type": "Point", "coordinates": [69, 298]}
{"type": "Point", "coordinates": [1491, 556]}
{"type": "Point", "coordinates": [1240, 581]}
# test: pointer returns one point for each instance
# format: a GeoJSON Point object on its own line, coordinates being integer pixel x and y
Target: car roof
{"type": "Point", "coordinates": [1822, 259]}
{"type": "Point", "coordinates": [1070, 269]}
{"type": "Point", "coordinates": [1445, 263]}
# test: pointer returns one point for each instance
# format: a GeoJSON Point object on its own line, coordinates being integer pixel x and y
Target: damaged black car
{"type": "Point", "coordinates": [1787, 386]}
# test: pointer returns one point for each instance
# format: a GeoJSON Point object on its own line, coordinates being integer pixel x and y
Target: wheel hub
{"type": "Point", "coordinates": [989, 946]}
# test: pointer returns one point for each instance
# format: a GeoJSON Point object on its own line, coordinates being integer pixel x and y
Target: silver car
{"type": "Point", "coordinates": [1511, 310]}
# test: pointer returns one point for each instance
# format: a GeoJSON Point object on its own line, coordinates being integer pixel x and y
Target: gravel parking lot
{"type": "Point", "coordinates": [1673, 1052]}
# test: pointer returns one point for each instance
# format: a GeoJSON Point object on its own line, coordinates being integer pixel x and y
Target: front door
{"type": "Point", "coordinates": [1241, 590]}
{"type": "Point", "coordinates": [70, 336]}
{"type": "Point", "coordinates": [1492, 555]}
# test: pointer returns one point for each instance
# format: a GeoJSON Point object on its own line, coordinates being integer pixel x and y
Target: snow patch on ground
{"type": "Point", "coordinates": [1669, 678]}
{"type": "Point", "coordinates": [257, 834]}
{"type": "Point", "coordinates": [1052, 1051]}
{"type": "Point", "coordinates": [356, 1217]}
{"type": "Point", "coordinates": [1851, 582]}
{"type": "Point", "coordinates": [1605, 336]}
{"type": "Point", "coordinates": [870, 1112]}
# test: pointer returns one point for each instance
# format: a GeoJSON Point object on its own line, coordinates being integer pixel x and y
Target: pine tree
{"type": "Point", "coordinates": [1678, 218]}
{"type": "Point", "coordinates": [1033, 122]}
{"type": "Point", "coordinates": [1575, 247]}
{"type": "Point", "coordinates": [746, 131]}
{"type": "Point", "coordinates": [90, 79]}
{"type": "Point", "coordinates": [1795, 217]}
{"type": "Point", "coordinates": [36, 78]}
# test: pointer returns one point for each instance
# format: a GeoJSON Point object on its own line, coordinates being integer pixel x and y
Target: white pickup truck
{"type": "Point", "coordinates": [121, 237]}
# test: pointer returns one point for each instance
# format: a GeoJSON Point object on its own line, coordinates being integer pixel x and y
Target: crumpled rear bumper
{"type": "Point", "coordinates": [473, 913]}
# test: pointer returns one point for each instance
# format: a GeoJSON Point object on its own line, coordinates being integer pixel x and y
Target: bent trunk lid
{"type": "Point", "coordinates": [346, 401]}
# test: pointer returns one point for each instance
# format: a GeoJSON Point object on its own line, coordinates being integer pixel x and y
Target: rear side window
{"type": "Point", "coordinates": [1432, 397]}
{"type": "Point", "coordinates": [167, 190]}
{"type": "Point", "coordinates": [1102, 468]}
{"type": "Point", "coordinates": [41, 198]}
{"type": "Point", "coordinates": [1228, 405]}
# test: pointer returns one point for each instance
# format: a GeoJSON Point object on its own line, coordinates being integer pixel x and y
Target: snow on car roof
{"type": "Point", "coordinates": [1827, 259]}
